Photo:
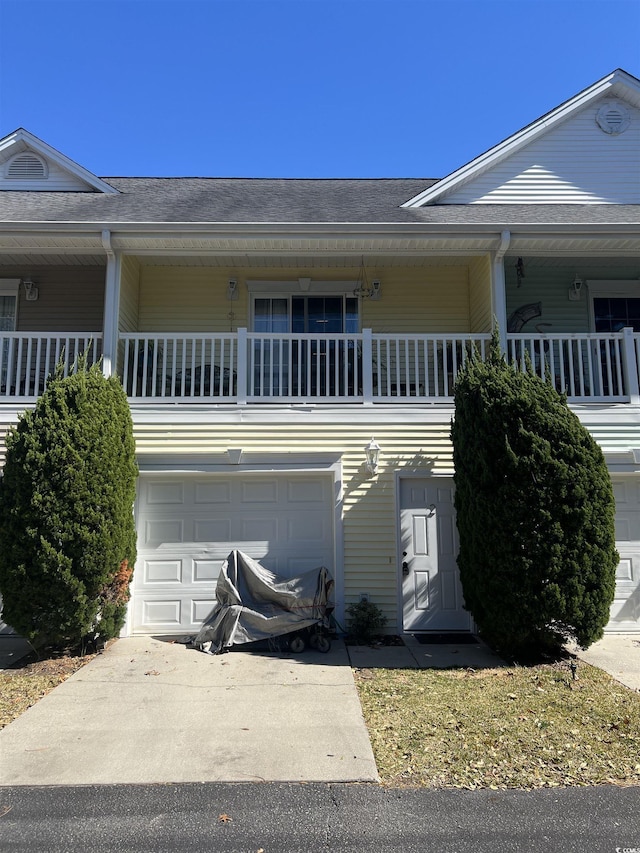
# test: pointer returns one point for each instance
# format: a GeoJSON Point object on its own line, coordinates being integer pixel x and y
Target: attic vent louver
{"type": "Point", "coordinates": [26, 167]}
{"type": "Point", "coordinates": [613, 118]}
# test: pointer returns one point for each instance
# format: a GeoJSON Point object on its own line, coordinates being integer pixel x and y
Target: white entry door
{"type": "Point", "coordinates": [431, 592]}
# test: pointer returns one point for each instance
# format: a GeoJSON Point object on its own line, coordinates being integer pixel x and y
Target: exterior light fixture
{"type": "Point", "coordinates": [372, 455]}
{"type": "Point", "coordinates": [575, 289]}
{"type": "Point", "coordinates": [364, 289]}
{"type": "Point", "coordinates": [232, 289]}
{"type": "Point", "coordinates": [30, 290]}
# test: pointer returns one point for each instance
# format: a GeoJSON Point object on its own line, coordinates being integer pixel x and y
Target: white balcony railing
{"type": "Point", "coordinates": [364, 368]}
{"type": "Point", "coordinates": [259, 367]}
{"type": "Point", "coordinates": [28, 359]}
{"type": "Point", "coordinates": [372, 368]}
{"type": "Point", "coordinates": [587, 367]}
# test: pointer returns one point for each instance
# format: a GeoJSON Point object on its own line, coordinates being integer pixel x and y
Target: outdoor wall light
{"type": "Point", "coordinates": [575, 289]}
{"type": "Point", "coordinates": [232, 289]}
{"type": "Point", "coordinates": [372, 455]}
{"type": "Point", "coordinates": [30, 290]}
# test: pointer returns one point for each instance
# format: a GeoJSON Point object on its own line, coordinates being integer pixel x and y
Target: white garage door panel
{"type": "Point", "coordinates": [187, 525]}
{"type": "Point", "coordinates": [625, 610]}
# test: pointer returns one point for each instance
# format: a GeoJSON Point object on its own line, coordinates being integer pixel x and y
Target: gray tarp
{"type": "Point", "coordinates": [253, 603]}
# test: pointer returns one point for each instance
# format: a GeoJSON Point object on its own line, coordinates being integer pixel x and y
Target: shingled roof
{"type": "Point", "coordinates": [269, 200]}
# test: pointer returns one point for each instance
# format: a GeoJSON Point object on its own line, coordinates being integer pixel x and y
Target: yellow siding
{"type": "Point", "coordinates": [480, 294]}
{"type": "Point", "coordinates": [369, 503]}
{"type": "Point", "coordinates": [182, 299]}
{"type": "Point", "coordinates": [129, 294]}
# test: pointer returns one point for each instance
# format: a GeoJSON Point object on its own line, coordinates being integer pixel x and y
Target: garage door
{"type": "Point", "coordinates": [188, 524]}
{"type": "Point", "coordinates": [625, 611]}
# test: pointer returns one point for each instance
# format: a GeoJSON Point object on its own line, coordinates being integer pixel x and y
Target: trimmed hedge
{"type": "Point", "coordinates": [67, 534]}
{"type": "Point", "coordinates": [535, 511]}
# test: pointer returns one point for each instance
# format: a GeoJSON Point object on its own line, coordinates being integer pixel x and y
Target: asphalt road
{"type": "Point", "coordinates": [286, 818]}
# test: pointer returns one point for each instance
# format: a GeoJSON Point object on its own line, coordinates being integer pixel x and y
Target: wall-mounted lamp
{"type": "Point", "coordinates": [372, 455]}
{"type": "Point", "coordinates": [519, 271]}
{"type": "Point", "coordinates": [31, 292]}
{"type": "Point", "coordinates": [232, 289]}
{"type": "Point", "coordinates": [375, 289]}
{"type": "Point", "coordinates": [575, 289]}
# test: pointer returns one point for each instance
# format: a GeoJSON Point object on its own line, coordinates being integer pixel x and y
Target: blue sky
{"type": "Point", "coordinates": [298, 88]}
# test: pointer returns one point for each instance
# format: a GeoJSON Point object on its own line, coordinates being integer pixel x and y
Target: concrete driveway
{"type": "Point", "coordinates": [150, 711]}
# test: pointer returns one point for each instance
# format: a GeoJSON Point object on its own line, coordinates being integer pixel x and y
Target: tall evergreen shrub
{"type": "Point", "coordinates": [535, 511]}
{"type": "Point", "coordinates": [67, 536]}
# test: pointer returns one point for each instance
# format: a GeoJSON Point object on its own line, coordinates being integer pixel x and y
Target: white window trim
{"type": "Point", "coordinates": [305, 286]}
{"type": "Point", "coordinates": [9, 286]}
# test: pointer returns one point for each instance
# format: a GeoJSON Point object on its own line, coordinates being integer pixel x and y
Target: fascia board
{"type": "Point", "coordinates": [417, 230]}
{"type": "Point", "coordinates": [61, 160]}
{"type": "Point", "coordinates": [523, 137]}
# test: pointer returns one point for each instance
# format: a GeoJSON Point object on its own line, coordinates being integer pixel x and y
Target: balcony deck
{"type": "Point", "coordinates": [366, 368]}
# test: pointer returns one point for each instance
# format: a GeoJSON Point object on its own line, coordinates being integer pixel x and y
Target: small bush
{"type": "Point", "coordinates": [366, 622]}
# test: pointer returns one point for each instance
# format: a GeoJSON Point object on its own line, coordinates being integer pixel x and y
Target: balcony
{"type": "Point", "coordinates": [367, 368]}
{"type": "Point", "coordinates": [28, 359]}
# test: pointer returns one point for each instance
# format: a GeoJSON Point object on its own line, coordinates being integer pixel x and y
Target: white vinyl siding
{"type": "Point", "coordinates": [57, 180]}
{"type": "Point", "coordinates": [575, 163]}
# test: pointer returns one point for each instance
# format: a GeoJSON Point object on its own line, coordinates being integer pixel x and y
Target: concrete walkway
{"type": "Point", "coordinates": [617, 654]}
{"type": "Point", "coordinates": [151, 711]}
{"type": "Point", "coordinates": [148, 711]}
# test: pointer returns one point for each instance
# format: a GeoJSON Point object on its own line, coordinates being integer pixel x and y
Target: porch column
{"type": "Point", "coordinates": [498, 288]}
{"type": "Point", "coordinates": [631, 365]}
{"type": "Point", "coordinates": [367, 367]}
{"type": "Point", "coordinates": [242, 367]}
{"type": "Point", "coordinates": [111, 308]}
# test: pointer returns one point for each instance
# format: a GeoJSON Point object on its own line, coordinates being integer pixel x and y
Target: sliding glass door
{"type": "Point", "coordinates": [309, 362]}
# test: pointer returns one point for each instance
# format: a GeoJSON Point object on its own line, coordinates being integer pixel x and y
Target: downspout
{"type": "Point", "coordinates": [111, 303]}
{"type": "Point", "coordinates": [498, 288]}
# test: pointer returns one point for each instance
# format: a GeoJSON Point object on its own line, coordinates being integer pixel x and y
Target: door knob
{"type": "Point", "coordinates": [405, 568]}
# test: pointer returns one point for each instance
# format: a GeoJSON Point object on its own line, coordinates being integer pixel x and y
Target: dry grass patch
{"type": "Point", "coordinates": [29, 680]}
{"type": "Point", "coordinates": [517, 727]}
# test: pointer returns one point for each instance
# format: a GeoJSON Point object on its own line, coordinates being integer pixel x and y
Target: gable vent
{"type": "Point", "coordinates": [26, 167]}
{"type": "Point", "coordinates": [613, 118]}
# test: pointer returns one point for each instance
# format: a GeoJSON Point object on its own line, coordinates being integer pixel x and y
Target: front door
{"type": "Point", "coordinates": [431, 591]}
